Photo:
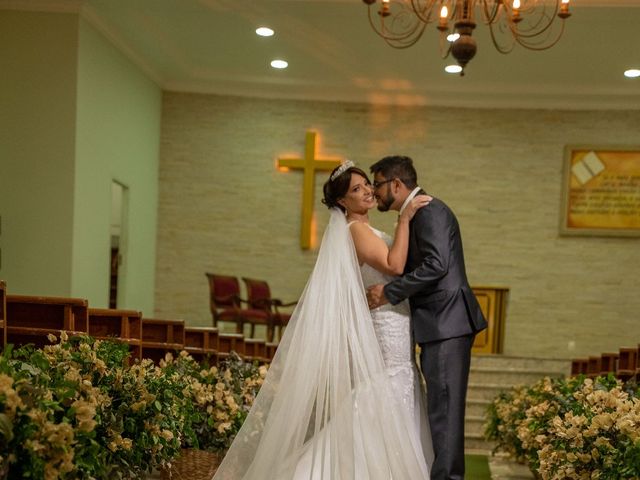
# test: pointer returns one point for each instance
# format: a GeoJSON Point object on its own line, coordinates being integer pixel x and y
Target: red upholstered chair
{"type": "Point", "coordinates": [259, 297]}
{"type": "Point", "coordinates": [225, 304]}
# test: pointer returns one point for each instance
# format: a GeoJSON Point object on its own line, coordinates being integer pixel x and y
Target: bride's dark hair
{"type": "Point", "coordinates": [337, 188]}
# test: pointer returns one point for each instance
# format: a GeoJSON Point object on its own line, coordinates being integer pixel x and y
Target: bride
{"type": "Point", "coordinates": [342, 399]}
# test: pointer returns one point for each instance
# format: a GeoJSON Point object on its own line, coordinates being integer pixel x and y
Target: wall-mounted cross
{"type": "Point", "coordinates": [309, 164]}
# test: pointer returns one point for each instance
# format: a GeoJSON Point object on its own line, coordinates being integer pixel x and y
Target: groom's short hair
{"type": "Point", "coordinates": [397, 166]}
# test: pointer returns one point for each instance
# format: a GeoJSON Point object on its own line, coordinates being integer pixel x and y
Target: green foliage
{"type": "Point", "coordinates": [222, 398]}
{"type": "Point", "coordinates": [574, 428]}
{"type": "Point", "coordinates": [77, 410]}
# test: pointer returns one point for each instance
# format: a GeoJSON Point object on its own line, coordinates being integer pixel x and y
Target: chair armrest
{"type": "Point", "coordinates": [278, 303]}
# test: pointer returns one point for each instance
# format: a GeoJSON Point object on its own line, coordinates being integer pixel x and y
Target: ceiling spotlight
{"type": "Point", "coordinates": [279, 64]}
{"type": "Point", "coordinates": [632, 73]}
{"type": "Point", "coordinates": [453, 69]}
{"type": "Point", "coordinates": [264, 32]}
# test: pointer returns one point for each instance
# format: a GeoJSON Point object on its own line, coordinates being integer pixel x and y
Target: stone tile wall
{"type": "Point", "coordinates": [224, 207]}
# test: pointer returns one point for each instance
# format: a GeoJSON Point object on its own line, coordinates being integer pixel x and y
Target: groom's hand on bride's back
{"type": "Point", "coordinates": [375, 296]}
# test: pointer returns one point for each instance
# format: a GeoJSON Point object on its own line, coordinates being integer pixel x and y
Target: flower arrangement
{"type": "Point", "coordinates": [222, 397]}
{"type": "Point", "coordinates": [575, 428]}
{"type": "Point", "coordinates": [77, 410]}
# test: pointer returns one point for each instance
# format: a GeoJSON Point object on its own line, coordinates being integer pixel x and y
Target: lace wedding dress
{"type": "Point", "coordinates": [392, 326]}
{"type": "Point", "coordinates": [334, 406]}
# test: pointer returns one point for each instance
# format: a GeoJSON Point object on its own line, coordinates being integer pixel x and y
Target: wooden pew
{"type": "Point", "coordinates": [579, 366]}
{"type": "Point", "coordinates": [594, 366]}
{"type": "Point", "coordinates": [30, 319]}
{"type": "Point", "coordinates": [230, 342]}
{"type": "Point", "coordinates": [627, 363]}
{"type": "Point", "coordinates": [114, 324]}
{"type": "Point", "coordinates": [3, 313]}
{"type": "Point", "coordinates": [160, 337]}
{"type": "Point", "coordinates": [609, 363]}
{"type": "Point", "coordinates": [255, 350]}
{"type": "Point", "coordinates": [202, 343]}
{"type": "Point", "coordinates": [271, 351]}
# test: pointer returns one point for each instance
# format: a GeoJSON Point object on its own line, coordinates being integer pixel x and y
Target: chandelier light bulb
{"type": "Point", "coordinates": [516, 4]}
{"type": "Point", "coordinates": [453, 37]}
{"type": "Point", "coordinates": [264, 32]}
{"type": "Point", "coordinates": [632, 73]}
{"type": "Point", "coordinates": [442, 24]}
{"type": "Point", "coordinates": [280, 64]}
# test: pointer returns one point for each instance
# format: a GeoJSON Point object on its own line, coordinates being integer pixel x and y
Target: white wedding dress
{"type": "Point", "coordinates": [341, 400]}
{"type": "Point", "coordinates": [392, 325]}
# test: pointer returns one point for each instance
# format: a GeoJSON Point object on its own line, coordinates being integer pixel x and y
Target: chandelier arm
{"type": "Point", "coordinates": [531, 32]}
{"type": "Point", "coordinates": [535, 29]}
{"type": "Point", "coordinates": [444, 42]}
{"type": "Point", "coordinates": [497, 45]}
{"type": "Point", "coordinates": [490, 17]}
{"type": "Point", "coordinates": [546, 46]}
{"type": "Point", "coordinates": [419, 10]}
{"type": "Point", "coordinates": [396, 40]}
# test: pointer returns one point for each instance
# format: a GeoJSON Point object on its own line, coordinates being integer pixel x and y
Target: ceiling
{"type": "Point", "coordinates": [209, 46]}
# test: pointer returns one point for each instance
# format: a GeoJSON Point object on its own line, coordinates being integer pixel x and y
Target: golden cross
{"type": "Point", "coordinates": [309, 164]}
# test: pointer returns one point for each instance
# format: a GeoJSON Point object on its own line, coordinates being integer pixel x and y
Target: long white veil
{"type": "Point", "coordinates": [326, 409]}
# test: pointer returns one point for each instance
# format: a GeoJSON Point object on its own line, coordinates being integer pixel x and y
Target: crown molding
{"type": "Point", "coordinates": [505, 97]}
{"type": "Point", "coordinates": [93, 19]}
{"type": "Point", "coordinates": [54, 6]}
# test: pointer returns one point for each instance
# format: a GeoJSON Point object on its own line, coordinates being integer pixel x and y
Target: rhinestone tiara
{"type": "Point", "coordinates": [341, 169]}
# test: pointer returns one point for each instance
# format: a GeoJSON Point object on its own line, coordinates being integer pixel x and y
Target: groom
{"type": "Point", "coordinates": [444, 311]}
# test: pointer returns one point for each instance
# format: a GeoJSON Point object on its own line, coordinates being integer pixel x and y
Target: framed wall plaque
{"type": "Point", "coordinates": [601, 191]}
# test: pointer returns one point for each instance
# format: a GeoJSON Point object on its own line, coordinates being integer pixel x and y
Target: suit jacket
{"type": "Point", "coordinates": [434, 280]}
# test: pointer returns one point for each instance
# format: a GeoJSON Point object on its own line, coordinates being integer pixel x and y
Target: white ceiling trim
{"type": "Point", "coordinates": [551, 98]}
{"type": "Point", "coordinates": [105, 29]}
{"type": "Point", "coordinates": [55, 6]}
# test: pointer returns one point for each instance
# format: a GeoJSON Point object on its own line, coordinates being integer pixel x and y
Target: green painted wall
{"type": "Point", "coordinates": [38, 71]}
{"type": "Point", "coordinates": [75, 115]}
{"type": "Point", "coordinates": [118, 132]}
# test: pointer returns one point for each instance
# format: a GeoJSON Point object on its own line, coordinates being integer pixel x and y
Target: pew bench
{"type": "Point", "coordinates": [255, 350]}
{"type": "Point", "coordinates": [160, 337]}
{"type": "Point", "coordinates": [202, 343]}
{"type": "Point", "coordinates": [627, 363]}
{"type": "Point", "coordinates": [3, 313]}
{"type": "Point", "coordinates": [122, 325]}
{"type": "Point", "coordinates": [30, 319]}
{"type": "Point", "coordinates": [230, 342]}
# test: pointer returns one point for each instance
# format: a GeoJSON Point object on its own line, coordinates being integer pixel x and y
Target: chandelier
{"type": "Point", "coordinates": [530, 23]}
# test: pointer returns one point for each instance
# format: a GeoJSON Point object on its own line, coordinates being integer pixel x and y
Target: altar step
{"type": "Point", "coordinates": [503, 468]}
{"type": "Point", "coordinates": [492, 374]}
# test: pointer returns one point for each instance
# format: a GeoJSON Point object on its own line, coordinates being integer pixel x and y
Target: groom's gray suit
{"type": "Point", "coordinates": [445, 316]}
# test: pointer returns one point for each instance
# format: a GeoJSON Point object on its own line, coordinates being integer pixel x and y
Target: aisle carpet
{"type": "Point", "coordinates": [477, 467]}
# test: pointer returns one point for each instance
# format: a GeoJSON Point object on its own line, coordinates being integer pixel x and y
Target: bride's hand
{"type": "Point", "coordinates": [417, 202]}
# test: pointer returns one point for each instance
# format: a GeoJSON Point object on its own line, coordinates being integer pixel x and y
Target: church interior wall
{"type": "Point", "coordinates": [225, 208]}
{"type": "Point", "coordinates": [76, 114]}
{"type": "Point", "coordinates": [38, 61]}
{"type": "Point", "coordinates": [118, 139]}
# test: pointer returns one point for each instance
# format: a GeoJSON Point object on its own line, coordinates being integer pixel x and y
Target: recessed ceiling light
{"type": "Point", "coordinates": [264, 32]}
{"type": "Point", "coordinates": [632, 73]}
{"type": "Point", "coordinates": [453, 69]}
{"type": "Point", "coordinates": [279, 64]}
{"type": "Point", "coordinates": [452, 37]}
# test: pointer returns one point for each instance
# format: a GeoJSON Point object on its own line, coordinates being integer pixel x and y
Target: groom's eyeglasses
{"type": "Point", "coordinates": [377, 185]}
